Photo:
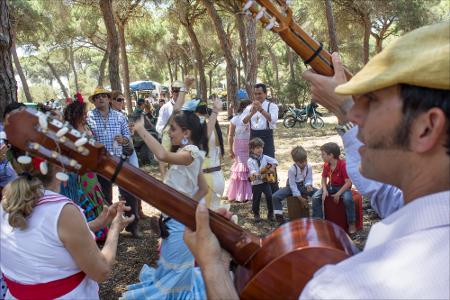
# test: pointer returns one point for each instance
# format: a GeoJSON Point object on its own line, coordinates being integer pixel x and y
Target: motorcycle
{"type": "Point", "coordinates": [302, 115]}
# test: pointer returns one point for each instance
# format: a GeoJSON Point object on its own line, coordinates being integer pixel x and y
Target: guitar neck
{"type": "Point", "coordinates": [239, 243]}
{"type": "Point", "coordinates": [301, 42]}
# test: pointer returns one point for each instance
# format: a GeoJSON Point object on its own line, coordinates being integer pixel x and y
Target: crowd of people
{"type": "Point", "coordinates": [59, 236]}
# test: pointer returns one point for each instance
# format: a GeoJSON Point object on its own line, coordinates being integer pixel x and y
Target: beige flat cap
{"type": "Point", "coordinates": [420, 57]}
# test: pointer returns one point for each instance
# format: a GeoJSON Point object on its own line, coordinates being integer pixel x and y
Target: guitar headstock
{"type": "Point", "coordinates": [37, 133]}
{"type": "Point", "coordinates": [275, 15]}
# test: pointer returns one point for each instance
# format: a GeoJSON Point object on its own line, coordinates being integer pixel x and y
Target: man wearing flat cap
{"type": "Point", "coordinates": [402, 111]}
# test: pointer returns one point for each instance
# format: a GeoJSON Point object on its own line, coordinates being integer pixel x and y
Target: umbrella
{"type": "Point", "coordinates": [141, 85]}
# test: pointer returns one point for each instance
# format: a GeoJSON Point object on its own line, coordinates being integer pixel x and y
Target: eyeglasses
{"type": "Point", "coordinates": [120, 99]}
{"type": "Point", "coordinates": [98, 96]}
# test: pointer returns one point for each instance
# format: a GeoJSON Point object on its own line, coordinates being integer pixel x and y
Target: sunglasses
{"type": "Point", "coordinates": [120, 99]}
{"type": "Point", "coordinates": [98, 96]}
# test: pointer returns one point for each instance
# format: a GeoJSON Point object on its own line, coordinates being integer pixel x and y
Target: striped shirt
{"type": "Point", "coordinates": [105, 129]}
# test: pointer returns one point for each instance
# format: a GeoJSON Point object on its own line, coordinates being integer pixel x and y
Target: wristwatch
{"type": "Point", "coordinates": [342, 129]}
{"type": "Point", "coordinates": [183, 89]}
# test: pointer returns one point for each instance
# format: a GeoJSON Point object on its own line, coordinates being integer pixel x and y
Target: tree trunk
{"type": "Point", "coordinates": [210, 81]}
{"type": "Point", "coordinates": [240, 23]}
{"type": "Point", "coordinates": [74, 70]}
{"type": "Point", "coordinates": [291, 62]}
{"type": "Point", "coordinates": [113, 44]}
{"type": "Point", "coordinates": [202, 92]}
{"type": "Point", "coordinates": [226, 48]}
{"type": "Point", "coordinates": [252, 67]}
{"type": "Point", "coordinates": [8, 85]}
{"type": "Point", "coordinates": [274, 60]}
{"type": "Point", "coordinates": [367, 30]}
{"type": "Point", "coordinates": [239, 71]}
{"type": "Point", "coordinates": [19, 69]}
{"type": "Point", "coordinates": [169, 67]}
{"type": "Point", "coordinates": [101, 69]}
{"type": "Point", "coordinates": [124, 61]}
{"type": "Point", "coordinates": [55, 74]}
{"type": "Point", "coordinates": [331, 26]}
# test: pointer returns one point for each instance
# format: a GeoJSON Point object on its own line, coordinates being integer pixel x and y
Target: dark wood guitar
{"type": "Point", "coordinates": [275, 267]}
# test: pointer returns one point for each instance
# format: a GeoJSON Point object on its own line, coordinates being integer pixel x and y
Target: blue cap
{"type": "Point", "coordinates": [191, 105]}
{"type": "Point", "coordinates": [242, 95]}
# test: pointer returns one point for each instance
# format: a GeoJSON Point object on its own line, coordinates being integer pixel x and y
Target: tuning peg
{"type": "Point", "coordinates": [61, 176]}
{"type": "Point", "coordinates": [260, 14]}
{"type": "Point", "coordinates": [57, 123]}
{"type": "Point", "coordinates": [81, 141]}
{"type": "Point", "coordinates": [43, 167]}
{"type": "Point", "coordinates": [248, 5]}
{"type": "Point", "coordinates": [24, 159]}
{"type": "Point", "coordinates": [271, 23]}
{"type": "Point", "coordinates": [43, 121]}
{"type": "Point", "coordinates": [62, 131]}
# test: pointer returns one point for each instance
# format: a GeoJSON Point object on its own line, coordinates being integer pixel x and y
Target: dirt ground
{"type": "Point", "coordinates": [133, 253]}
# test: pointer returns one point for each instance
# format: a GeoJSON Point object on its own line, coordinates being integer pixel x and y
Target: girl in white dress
{"type": "Point", "coordinates": [175, 276]}
{"type": "Point", "coordinates": [212, 168]}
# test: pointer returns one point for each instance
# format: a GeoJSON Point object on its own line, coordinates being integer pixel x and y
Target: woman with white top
{"type": "Point", "coordinates": [47, 248]}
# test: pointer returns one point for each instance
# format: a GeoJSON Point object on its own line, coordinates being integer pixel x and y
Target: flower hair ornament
{"type": "Point", "coordinates": [79, 97]}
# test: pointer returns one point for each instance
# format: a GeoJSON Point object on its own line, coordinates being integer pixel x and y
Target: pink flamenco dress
{"type": "Point", "coordinates": [239, 188]}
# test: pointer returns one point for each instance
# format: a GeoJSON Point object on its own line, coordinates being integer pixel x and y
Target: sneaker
{"type": "Point", "coordinates": [280, 219]}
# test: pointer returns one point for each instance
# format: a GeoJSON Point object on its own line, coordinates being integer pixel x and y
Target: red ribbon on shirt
{"type": "Point", "coordinates": [44, 291]}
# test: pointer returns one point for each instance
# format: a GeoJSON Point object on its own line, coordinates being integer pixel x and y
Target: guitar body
{"type": "Point", "coordinates": [289, 257]}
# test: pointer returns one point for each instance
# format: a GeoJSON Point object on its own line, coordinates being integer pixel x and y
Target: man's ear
{"type": "Point", "coordinates": [428, 130]}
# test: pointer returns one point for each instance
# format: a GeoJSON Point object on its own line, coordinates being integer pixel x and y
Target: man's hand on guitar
{"type": "Point", "coordinates": [203, 243]}
{"type": "Point", "coordinates": [322, 89]}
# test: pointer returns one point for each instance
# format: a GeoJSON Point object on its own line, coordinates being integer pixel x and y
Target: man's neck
{"type": "Point", "coordinates": [104, 111]}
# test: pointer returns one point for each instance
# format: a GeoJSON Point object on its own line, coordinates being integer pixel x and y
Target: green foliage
{"type": "Point", "coordinates": [48, 30]}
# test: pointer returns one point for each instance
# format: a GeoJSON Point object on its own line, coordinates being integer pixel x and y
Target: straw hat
{"type": "Point", "coordinates": [420, 58]}
{"type": "Point", "coordinates": [99, 90]}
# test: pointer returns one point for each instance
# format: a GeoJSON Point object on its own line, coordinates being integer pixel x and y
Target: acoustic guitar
{"type": "Point", "coordinates": [275, 267]}
{"type": "Point", "coordinates": [267, 174]}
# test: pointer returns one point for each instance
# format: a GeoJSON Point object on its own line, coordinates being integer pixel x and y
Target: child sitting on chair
{"type": "Point", "coordinates": [298, 184]}
{"type": "Point", "coordinates": [262, 173]}
{"type": "Point", "coordinates": [336, 183]}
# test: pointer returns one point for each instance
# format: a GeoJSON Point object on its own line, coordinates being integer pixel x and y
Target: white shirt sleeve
{"type": "Point", "coordinates": [271, 160]}
{"type": "Point", "coordinates": [252, 166]}
{"type": "Point", "coordinates": [309, 176]}
{"type": "Point", "coordinates": [162, 119]}
{"type": "Point", "coordinates": [273, 111]}
{"type": "Point", "coordinates": [384, 199]}
{"type": "Point", "coordinates": [292, 181]}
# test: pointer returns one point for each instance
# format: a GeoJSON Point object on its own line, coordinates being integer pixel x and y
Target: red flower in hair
{"type": "Point", "coordinates": [79, 97]}
{"type": "Point", "coordinates": [36, 161]}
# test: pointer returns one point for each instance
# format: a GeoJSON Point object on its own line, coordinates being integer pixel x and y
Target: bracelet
{"type": "Point", "coordinates": [183, 89]}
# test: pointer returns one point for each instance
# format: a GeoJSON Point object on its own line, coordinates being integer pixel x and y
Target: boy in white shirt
{"type": "Point", "coordinates": [298, 184]}
{"type": "Point", "coordinates": [257, 163]}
